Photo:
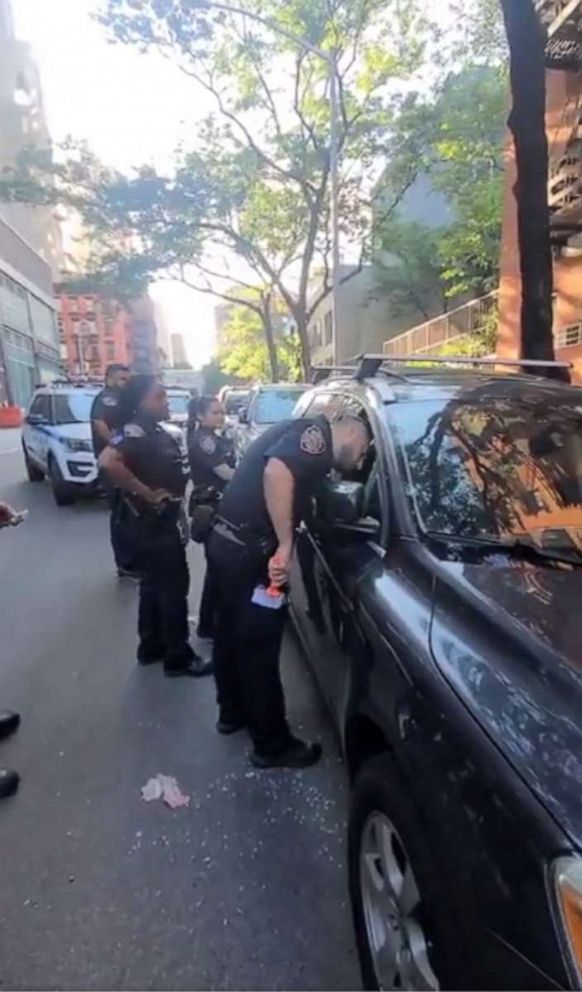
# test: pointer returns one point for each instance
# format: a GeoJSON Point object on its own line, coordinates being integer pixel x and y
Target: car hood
{"type": "Point", "coordinates": [508, 637]}
{"type": "Point", "coordinates": [78, 432]}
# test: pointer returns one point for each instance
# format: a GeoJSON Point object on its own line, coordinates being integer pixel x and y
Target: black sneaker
{"type": "Point", "coordinates": [228, 727]}
{"type": "Point", "coordinates": [9, 782]}
{"type": "Point", "coordinates": [149, 659]}
{"type": "Point", "coordinates": [9, 723]}
{"type": "Point", "coordinates": [196, 668]}
{"type": "Point", "coordinates": [296, 754]}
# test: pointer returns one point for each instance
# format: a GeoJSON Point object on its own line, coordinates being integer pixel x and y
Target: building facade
{"type": "Point", "coordinates": [96, 331]}
{"type": "Point", "coordinates": [362, 318]}
{"type": "Point", "coordinates": [563, 22]}
{"type": "Point", "coordinates": [29, 337]}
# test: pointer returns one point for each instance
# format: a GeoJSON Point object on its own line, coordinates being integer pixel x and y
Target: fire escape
{"type": "Point", "coordinates": [563, 22]}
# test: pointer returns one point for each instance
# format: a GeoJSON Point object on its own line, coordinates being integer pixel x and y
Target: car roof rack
{"type": "Point", "coordinates": [321, 372]}
{"type": "Point", "coordinates": [369, 365]}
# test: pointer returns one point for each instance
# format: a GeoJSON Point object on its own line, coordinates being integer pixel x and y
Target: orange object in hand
{"type": "Point", "coordinates": [273, 590]}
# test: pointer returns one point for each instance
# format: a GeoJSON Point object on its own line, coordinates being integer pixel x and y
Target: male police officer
{"type": "Point", "coordinates": [252, 544]}
{"type": "Point", "coordinates": [146, 462]}
{"type": "Point", "coordinates": [104, 422]}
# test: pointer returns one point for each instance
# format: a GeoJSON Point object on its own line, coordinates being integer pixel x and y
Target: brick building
{"type": "Point", "coordinates": [563, 22]}
{"type": "Point", "coordinates": [96, 330]}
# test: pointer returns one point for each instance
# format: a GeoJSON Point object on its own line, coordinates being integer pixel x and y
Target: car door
{"type": "Point", "coordinates": [35, 436]}
{"type": "Point", "coordinates": [332, 565]}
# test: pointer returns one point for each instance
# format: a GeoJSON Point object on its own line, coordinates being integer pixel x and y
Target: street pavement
{"type": "Point", "coordinates": [244, 889]}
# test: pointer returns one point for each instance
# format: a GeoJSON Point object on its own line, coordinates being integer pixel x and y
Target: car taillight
{"type": "Point", "coordinates": [568, 876]}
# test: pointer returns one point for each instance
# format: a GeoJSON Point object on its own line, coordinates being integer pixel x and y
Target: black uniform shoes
{"type": "Point", "coordinates": [196, 668]}
{"type": "Point", "coordinates": [296, 754]}
{"type": "Point", "coordinates": [9, 780]}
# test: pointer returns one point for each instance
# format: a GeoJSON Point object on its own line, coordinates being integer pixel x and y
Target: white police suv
{"type": "Point", "coordinates": [56, 440]}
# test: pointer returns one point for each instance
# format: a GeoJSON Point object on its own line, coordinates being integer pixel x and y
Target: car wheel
{"type": "Point", "coordinates": [393, 885]}
{"type": "Point", "coordinates": [34, 473]}
{"type": "Point", "coordinates": [61, 492]}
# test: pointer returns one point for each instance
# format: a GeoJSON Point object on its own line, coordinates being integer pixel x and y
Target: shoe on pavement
{"type": "Point", "coordinates": [295, 754]}
{"type": "Point", "coordinates": [196, 668]}
{"type": "Point", "coordinates": [9, 782]}
{"type": "Point", "coordinates": [150, 659]}
{"type": "Point", "coordinates": [9, 722]}
{"type": "Point", "coordinates": [228, 727]}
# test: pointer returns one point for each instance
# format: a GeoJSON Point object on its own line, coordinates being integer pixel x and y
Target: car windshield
{"type": "Point", "coordinates": [274, 405]}
{"type": "Point", "coordinates": [73, 408]}
{"type": "Point", "coordinates": [178, 403]}
{"type": "Point", "coordinates": [498, 462]}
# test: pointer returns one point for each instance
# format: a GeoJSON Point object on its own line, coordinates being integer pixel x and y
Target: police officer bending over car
{"type": "Point", "coordinates": [146, 463]}
{"type": "Point", "coordinates": [212, 462]}
{"type": "Point", "coordinates": [251, 546]}
{"type": "Point", "coordinates": [104, 423]}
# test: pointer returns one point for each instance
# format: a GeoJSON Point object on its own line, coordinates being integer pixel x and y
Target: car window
{"type": "Point", "coordinates": [497, 461]}
{"type": "Point", "coordinates": [234, 401]}
{"type": "Point", "coordinates": [325, 403]}
{"type": "Point", "coordinates": [41, 406]}
{"type": "Point", "coordinates": [73, 408]}
{"type": "Point", "coordinates": [274, 405]}
{"type": "Point", "coordinates": [368, 473]}
{"type": "Point", "coordinates": [178, 402]}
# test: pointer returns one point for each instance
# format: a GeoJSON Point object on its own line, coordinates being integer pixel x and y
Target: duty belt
{"type": "Point", "coordinates": [243, 536]}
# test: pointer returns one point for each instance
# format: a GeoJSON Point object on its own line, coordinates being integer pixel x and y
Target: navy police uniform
{"type": "Point", "coordinates": [158, 537]}
{"type": "Point", "coordinates": [106, 408]}
{"type": "Point", "coordinates": [207, 450]}
{"type": "Point", "coordinates": [248, 636]}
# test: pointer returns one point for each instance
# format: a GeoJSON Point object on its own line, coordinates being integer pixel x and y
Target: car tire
{"type": "Point", "coordinates": [382, 814]}
{"type": "Point", "coordinates": [34, 473]}
{"type": "Point", "coordinates": [61, 492]}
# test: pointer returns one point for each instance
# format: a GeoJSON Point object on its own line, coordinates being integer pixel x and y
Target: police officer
{"type": "Point", "coordinates": [252, 545]}
{"type": "Point", "coordinates": [146, 463]}
{"type": "Point", "coordinates": [212, 463]}
{"type": "Point", "coordinates": [104, 422]}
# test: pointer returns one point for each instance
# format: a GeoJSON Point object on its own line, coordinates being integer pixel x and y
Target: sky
{"type": "Point", "coordinates": [131, 108]}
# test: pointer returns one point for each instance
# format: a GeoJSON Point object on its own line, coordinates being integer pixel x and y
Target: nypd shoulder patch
{"type": "Point", "coordinates": [312, 441]}
{"type": "Point", "coordinates": [133, 430]}
{"type": "Point", "coordinates": [109, 401]}
{"type": "Point", "coordinates": [207, 444]}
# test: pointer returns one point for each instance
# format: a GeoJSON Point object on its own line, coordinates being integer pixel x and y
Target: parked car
{"type": "Point", "coordinates": [266, 405]}
{"type": "Point", "coordinates": [436, 593]}
{"type": "Point", "coordinates": [178, 401]}
{"type": "Point", "coordinates": [56, 440]}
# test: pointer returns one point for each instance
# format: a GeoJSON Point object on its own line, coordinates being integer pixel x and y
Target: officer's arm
{"type": "Point", "coordinates": [279, 486]}
{"type": "Point", "coordinates": [102, 430]}
{"type": "Point", "coordinates": [111, 461]}
{"type": "Point", "coordinates": [224, 472]}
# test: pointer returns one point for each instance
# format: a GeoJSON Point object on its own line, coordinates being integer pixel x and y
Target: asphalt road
{"type": "Point", "coordinates": [244, 889]}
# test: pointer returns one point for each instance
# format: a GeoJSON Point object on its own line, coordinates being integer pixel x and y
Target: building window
{"type": "Point", "coordinates": [110, 350]}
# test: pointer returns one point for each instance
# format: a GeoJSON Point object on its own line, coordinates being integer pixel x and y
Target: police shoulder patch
{"type": "Point", "coordinates": [133, 430]}
{"type": "Point", "coordinates": [207, 444]}
{"type": "Point", "coordinates": [109, 401]}
{"type": "Point", "coordinates": [312, 441]}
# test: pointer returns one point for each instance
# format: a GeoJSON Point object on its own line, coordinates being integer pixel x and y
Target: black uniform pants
{"type": "Point", "coordinates": [247, 645]}
{"type": "Point", "coordinates": [207, 609]}
{"type": "Point", "coordinates": [122, 549]}
{"type": "Point", "coordinates": [163, 600]}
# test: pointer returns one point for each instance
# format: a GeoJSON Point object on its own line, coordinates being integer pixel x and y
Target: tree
{"type": "Point", "coordinates": [527, 122]}
{"type": "Point", "coordinates": [450, 143]}
{"type": "Point", "coordinates": [255, 184]}
{"type": "Point", "coordinates": [244, 352]}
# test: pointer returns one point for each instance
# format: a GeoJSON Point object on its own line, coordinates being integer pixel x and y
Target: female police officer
{"type": "Point", "coordinates": [212, 462]}
{"type": "Point", "coordinates": [146, 462]}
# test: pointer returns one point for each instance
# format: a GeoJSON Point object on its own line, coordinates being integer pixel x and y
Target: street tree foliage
{"type": "Point", "coordinates": [451, 139]}
{"type": "Point", "coordinates": [244, 352]}
{"type": "Point", "coordinates": [254, 183]}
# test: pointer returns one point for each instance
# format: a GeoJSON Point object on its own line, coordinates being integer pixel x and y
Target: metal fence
{"type": "Point", "coordinates": [464, 321]}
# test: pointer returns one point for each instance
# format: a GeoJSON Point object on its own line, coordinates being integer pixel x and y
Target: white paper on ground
{"type": "Point", "coordinates": [164, 787]}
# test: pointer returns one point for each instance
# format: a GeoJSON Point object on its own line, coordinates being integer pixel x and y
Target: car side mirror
{"type": "Point", "coordinates": [35, 418]}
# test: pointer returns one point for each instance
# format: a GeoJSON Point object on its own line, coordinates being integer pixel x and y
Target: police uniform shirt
{"type": "Point", "coordinates": [305, 447]}
{"type": "Point", "coordinates": [152, 455]}
{"type": "Point", "coordinates": [206, 450]}
{"type": "Point", "coordinates": [106, 408]}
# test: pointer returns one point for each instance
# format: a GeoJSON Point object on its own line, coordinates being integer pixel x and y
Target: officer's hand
{"type": "Point", "coordinates": [157, 496]}
{"type": "Point", "coordinates": [280, 566]}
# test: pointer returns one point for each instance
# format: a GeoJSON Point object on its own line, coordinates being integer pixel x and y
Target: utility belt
{"type": "Point", "coordinates": [243, 536]}
{"type": "Point", "coordinates": [145, 523]}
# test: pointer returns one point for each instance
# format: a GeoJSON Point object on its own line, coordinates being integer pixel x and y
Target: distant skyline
{"type": "Point", "coordinates": [131, 108]}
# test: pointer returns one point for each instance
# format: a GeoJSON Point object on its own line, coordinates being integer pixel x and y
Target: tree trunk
{"type": "Point", "coordinates": [301, 323]}
{"type": "Point", "coordinates": [527, 122]}
{"type": "Point", "coordinates": [270, 337]}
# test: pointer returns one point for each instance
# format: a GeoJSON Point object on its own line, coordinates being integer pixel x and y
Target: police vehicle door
{"type": "Point", "coordinates": [38, 432]}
